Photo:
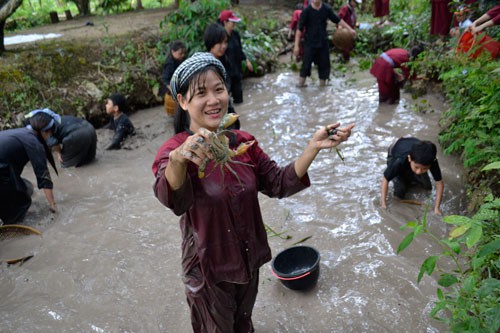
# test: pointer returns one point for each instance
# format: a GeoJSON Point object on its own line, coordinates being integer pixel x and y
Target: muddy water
{"type": "Point", "coordinates": [109, 259]}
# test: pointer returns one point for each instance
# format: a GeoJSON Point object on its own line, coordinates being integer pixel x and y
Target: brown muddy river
{"type": "Point", "coordinates": [109, 260]}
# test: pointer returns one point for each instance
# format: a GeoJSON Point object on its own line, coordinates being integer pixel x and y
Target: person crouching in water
{"type": "Point", "coordinates": [18, 147]}
{"type": "Point", "coordinates": [116, 105]}
{"type": "Point", "coordinates": [73, 139]}
{"type": "Point", "coordinates": [389, 81]}
{"type": "Point", "coordinates": [408, 161]}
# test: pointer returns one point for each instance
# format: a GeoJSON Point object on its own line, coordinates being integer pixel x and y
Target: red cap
{"type": "Point", "coordinates": [227, 15]}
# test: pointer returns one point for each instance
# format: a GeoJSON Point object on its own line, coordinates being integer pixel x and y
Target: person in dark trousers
{"type": "Point", "coordinates": [441, 17]}
{"type": "Point", "coordinates": [224, 240]}
{"type": "Point", "coordinates": [73, 139]}
{"type": "Point", "coordinates": [116, 105]}
{"type": "Point", "coordinates": [389, 81]}
{"type": "Point", "coordinates": [314, 19]}
{"type": "Point", "coordinates": [18, 147]}
{"type": "Point", "coordinates": [235, 54]}
{"type": "Point", "coordinates": [408, 160]}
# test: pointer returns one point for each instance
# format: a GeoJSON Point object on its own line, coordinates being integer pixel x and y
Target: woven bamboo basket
{"type": "Point", "coordinates": [10, 234]}
{"type": "Point", "coordinates": [169, 105]}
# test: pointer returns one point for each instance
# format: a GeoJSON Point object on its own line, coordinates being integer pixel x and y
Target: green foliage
{"type": "Point", "coordinates": [188, 23]}
{"type": "Point", "coordinates": [474, 98]}
{"type": "Point", "coordinates": [469, 295]}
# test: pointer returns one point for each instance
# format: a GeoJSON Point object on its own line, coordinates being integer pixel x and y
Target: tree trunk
{"type": "Point", "coordinates": [7, 8]}
{"type": "Point", "coordinates": [2, 43]}
{"type": "Point", "coordinates": [139, 5]}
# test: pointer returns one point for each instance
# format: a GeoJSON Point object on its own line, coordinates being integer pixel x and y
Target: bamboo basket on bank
{"type": "Point", "coordinates": [170, 105]}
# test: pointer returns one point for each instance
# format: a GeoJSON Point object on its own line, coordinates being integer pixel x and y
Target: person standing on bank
{"type": "Point", "coordinates": [348, 13]}
{"type": "Point", "coordinates": [73, 139]}
{"type": "Point", "coordinates": [235, 54]}
{"type": "Point", "coordinates": [314, 19]}
{"type": "Point", "coordinates": [382, 8]}
{"type": "Point", "coordinates": [408, 160]}
{"type": "Point", "coordinates": [18, 147]}
{"type": "Point", "coordinates": [224, 240]}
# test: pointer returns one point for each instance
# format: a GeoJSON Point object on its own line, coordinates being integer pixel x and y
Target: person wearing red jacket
{"type": "Point", "coordinates": [389, 81]}
{"type": "Point", "coordinates": [348, 13]}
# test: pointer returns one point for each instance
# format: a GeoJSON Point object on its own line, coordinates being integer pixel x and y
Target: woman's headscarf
{"type": "Point", "coordinates": [40, 124]}
{"type": "Point", "coordinates": [190, 67]}
{"type": "Point", "coordinates": [41, 121]}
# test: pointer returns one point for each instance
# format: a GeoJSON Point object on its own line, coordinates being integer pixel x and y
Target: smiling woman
{"type": "Point", "coordinates": [221, 279]}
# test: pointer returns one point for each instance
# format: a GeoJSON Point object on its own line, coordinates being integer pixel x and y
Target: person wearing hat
{"type": "Point", "coordinates": [20, 146]}
{"type": "Point", "coordinates": [224, 239]}
{"type": "Point", "coordinates": [462, 21]}
{"type": "Point", "coordinates": [235, 54]}
{"type": "Point", "coordinates": [348, 13]}
{"type": "Point", "coordinates": [314, 19]}
{"type": "Point", "coordinates": [73, 139]}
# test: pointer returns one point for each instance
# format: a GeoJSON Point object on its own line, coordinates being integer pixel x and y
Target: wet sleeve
{"type": "Point", "coordinates": [393, 169]}
{"type": "Point", "coordinates": [180, 200]}
{"type": "Point", "coordinates": [36, 154]}
{"type": "Point", "coordinates": [273, 180]}
{"type": "Point", "coordinates": [436, 171]}
{"type": "Point", "coordinates": [52, 141]}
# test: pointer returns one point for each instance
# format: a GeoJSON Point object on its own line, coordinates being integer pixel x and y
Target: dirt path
{"type": "Point", "coordinates": [98, 27]}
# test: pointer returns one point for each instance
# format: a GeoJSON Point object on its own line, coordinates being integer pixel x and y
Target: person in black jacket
{"type": "Point", "coordinates": [18, 147]}
{"type": "Point", "coordinates": [119, 122]}
{"type": "Point", "coordinates": [234, 54]}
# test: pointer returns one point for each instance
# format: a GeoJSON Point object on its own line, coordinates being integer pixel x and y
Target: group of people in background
{"type": "Point", "coordinates": [73, 140]}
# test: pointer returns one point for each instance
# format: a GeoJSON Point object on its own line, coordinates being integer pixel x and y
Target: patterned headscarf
{"type": "Point", "coordinates": [191, 66]}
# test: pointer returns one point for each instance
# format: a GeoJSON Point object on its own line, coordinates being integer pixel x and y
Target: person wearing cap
{"type": "Point", "coordinates": [116, 105]}
{"type": "Point", "coordinates": [348, 13]}
{"type": "Point", "coordinates": [18, 147]}
{"type": "Point", "coordinates": [314, 19]}
{"type": "Point", "coordinates": [462, 21]}
{"type": "Point", "coordinates": [382, 9]}
{"type": "Point", "coordinates": [488, 19]}
{"type": "Point", "coordinates": [408, 161]}
{"type": "Point", "coordinates": [224, 239]}
{"type": "Point", "coordinates": [234, 54]}
{"type": "Point", "coordinates": [74, 140]}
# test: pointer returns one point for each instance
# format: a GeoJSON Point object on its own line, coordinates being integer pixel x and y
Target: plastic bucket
{"type": "Point", "coordinates": [297, 267]}
{"type": "Point", "coordinates": [474, 47]}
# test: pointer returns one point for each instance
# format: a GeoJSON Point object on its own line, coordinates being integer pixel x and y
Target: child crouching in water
{"type": "Point", "coordinates": [116, 105]}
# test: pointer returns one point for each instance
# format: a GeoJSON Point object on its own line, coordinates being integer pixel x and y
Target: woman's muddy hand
{"type": "Point", "coordinates": [196, 148]}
